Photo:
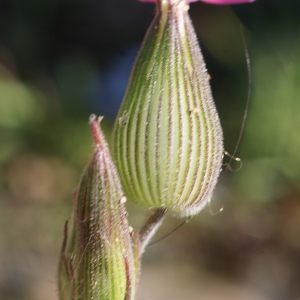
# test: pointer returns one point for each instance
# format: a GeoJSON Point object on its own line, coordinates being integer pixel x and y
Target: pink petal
{"type": "Point", "coordinates": [226, 2]}
{"type": "Point", "coordinates": [218, 2]}
{"type": "Point", "coordinates": [156, 0]}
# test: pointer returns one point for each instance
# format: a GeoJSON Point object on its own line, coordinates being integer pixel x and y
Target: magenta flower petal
{"type": "Point", "coordinates": [156, 0]}
{"type": "Point", "coordinates": [226, 2]}
{"type": "Point", "coordinates": [217, 2]}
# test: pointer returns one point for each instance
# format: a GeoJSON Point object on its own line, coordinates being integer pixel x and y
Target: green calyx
{"type": "Point", "coordinates": [97, 260]}
{"type": "Point", "coordinates": [168, 141]}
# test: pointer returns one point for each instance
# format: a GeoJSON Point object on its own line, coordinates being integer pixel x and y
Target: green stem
{"type": "Point", "coordinates": [150, 228]}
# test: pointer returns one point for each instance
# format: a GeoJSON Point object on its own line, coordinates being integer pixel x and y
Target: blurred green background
{"type": "Point", "coordinates": [61, 60]}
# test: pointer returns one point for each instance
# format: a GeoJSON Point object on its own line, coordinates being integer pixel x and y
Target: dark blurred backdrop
{"type": "Point", "coordinates": [61, 60]}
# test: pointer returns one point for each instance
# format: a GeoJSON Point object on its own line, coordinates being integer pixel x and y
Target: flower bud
{"type": "Point", "coordinates": [97, 260]}
{"type": "Point", "coordinates": [168, 141]}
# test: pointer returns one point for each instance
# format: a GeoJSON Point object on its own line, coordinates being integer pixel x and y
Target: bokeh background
{"type": "Point", "coordinates": [61, 60]}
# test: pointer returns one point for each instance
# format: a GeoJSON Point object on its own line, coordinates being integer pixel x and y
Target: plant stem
{"type": "Point", "coordinates": [150, 228]}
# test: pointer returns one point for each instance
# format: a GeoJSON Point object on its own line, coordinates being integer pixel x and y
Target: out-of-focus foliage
{"type": "Point", "coordinates": [62, 60]}
{"type": "Point", "coordinates": [272, 136]}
